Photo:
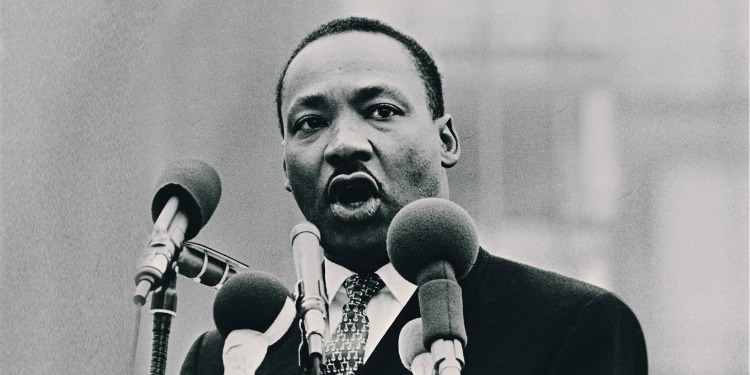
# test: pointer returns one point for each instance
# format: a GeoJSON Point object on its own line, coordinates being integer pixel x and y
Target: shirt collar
{"type": "Point", "coordinates": [336, 274]}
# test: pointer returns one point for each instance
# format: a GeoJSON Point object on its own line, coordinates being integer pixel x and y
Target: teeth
{"type": "Point", "coordinates": [352, 195]}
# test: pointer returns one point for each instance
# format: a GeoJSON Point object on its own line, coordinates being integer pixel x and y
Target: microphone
{"type": "Point", "coordinates": [207, 266]}
{"type": "Point", "coordinates": [312, 300]}
{"type": "Point", "coordinates": [411, 349]}
{"type": "Point", "coordinates": [432, 242]}
{"type": "Point", "coordinates": [252, 311]}
{"type": "Point", "coordinates": [187, 194]}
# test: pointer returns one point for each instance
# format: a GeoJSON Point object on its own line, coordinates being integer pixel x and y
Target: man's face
{"type": "Point", "coordinates": [360, 142]}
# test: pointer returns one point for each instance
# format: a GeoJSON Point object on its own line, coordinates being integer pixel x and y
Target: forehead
{"type": "Point", "coordinates": [350, 60]}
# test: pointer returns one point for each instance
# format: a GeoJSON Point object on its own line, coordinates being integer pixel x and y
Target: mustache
{"type": "Point", "coordinates": [349, 168]}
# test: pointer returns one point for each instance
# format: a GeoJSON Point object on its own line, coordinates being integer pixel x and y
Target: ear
{"type": "Point", "coordinates": [449, 139]}
{"type": "Point", "coordinates": [287, 186]}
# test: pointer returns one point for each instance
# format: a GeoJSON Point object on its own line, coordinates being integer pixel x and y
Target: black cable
{"type": "Point", "coordinates": [164, 308]}
{"type": "Point", "coordinates": [162, 324]}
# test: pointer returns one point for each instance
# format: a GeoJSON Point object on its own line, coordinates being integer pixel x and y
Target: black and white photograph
{"type": "Point", "coordinates": [358, 188]}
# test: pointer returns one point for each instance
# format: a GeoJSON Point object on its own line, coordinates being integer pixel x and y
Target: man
{"type": "Point", "coordinates": [361, 113]}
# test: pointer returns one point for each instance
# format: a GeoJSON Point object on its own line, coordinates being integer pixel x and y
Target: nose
{"type": "Point", "coordinates": [348, 143]}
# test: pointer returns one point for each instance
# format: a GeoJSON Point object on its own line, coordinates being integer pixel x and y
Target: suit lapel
{"type": "Point", "coordinates": [385, 359]}
{"type": "Point", "coordinates": [470, 283]}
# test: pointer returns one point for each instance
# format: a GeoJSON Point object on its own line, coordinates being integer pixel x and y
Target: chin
{"type": "Point", "coordinates": [350, 245]}
{"type": "Point", "coordinates": [355, 238]}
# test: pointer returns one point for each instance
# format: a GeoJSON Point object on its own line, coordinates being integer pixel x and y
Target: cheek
{"type": "Point", "coordinates": [420, 175]}
{"type": "Point", "coordinates": [295, 169]}
{"type": "Point", "coordinates": [299, 161]}
{"type": "Point", "coordinates": [301, 172]}
{"type": "Point", "coordinates": [304, 165]}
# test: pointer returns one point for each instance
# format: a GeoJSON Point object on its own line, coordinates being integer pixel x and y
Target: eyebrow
{"type": "Point", "coordinates": [367, 93]}
{"type": "Point", "coordinates": [309, 101]}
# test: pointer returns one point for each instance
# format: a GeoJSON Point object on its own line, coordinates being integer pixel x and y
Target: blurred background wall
{"type": "Point", "coordinates": [604, 140]}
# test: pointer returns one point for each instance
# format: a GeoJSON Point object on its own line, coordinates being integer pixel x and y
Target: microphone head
{"type": "Point", "coordinates": [305, 227]}
{"type": "Point", "coordinates": [410, 342]}
{"type": "Point", "coordinates": [429, 230]}
{"type": "Point", "coordinates": [198, 187]}
{"type": "Point", "coordinates": [249, 300]}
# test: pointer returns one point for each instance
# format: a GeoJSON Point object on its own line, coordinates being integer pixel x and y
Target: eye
{"type": "Point", "coordinates": [310, 123]}
{"type": "Point", "coordinates": [383, 111]}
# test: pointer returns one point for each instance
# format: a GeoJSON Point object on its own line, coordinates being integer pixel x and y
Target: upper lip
{"type": "Point", "coordinates": [341, 180]}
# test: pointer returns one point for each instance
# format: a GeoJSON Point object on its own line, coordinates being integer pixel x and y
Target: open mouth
{"type": "Point", "coordinates": [353, 197]}
{"type": "Point", "coordinates": [352, 188]}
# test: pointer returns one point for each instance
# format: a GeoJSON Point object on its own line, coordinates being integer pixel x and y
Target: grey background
{"type": "Point", "coordinates": [604, 140]}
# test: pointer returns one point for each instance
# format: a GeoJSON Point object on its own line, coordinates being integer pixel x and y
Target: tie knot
{"type": "Point", "coordinates": [361, 287]}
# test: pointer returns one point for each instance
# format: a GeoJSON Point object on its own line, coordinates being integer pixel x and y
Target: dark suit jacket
{"type": "Point", "coordinates": [519, 320]}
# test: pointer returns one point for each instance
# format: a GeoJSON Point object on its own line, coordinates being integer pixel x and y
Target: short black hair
{"type": "Point", "coordinates": [424, 63]}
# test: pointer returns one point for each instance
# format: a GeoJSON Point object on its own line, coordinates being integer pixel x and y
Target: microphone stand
{"type": "Point", "coordinates": [312, 305]}
{"type": "Point", "coordinates": [164, 308]}
{"type": "Point", "coordinates": [198, 262]}
{"type": "Point", "coordinates": [311, 361]}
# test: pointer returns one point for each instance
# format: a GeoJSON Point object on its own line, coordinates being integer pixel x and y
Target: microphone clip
{"type": "Point", "coordinates": [312, 320]}
{"type": "Point", "coordinates": [207, 266]}
{"type": "Point", "coordinates": [157, 260]}
{"type": "Point", "coordinates": [448, 356]}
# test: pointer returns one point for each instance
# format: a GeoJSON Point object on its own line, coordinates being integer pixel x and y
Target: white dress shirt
{"type": "Point", "coordinates": [382, 309]}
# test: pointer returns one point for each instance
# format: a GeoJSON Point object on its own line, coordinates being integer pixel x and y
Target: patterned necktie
{"type": "Point", "coordinates": [346, 348]}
